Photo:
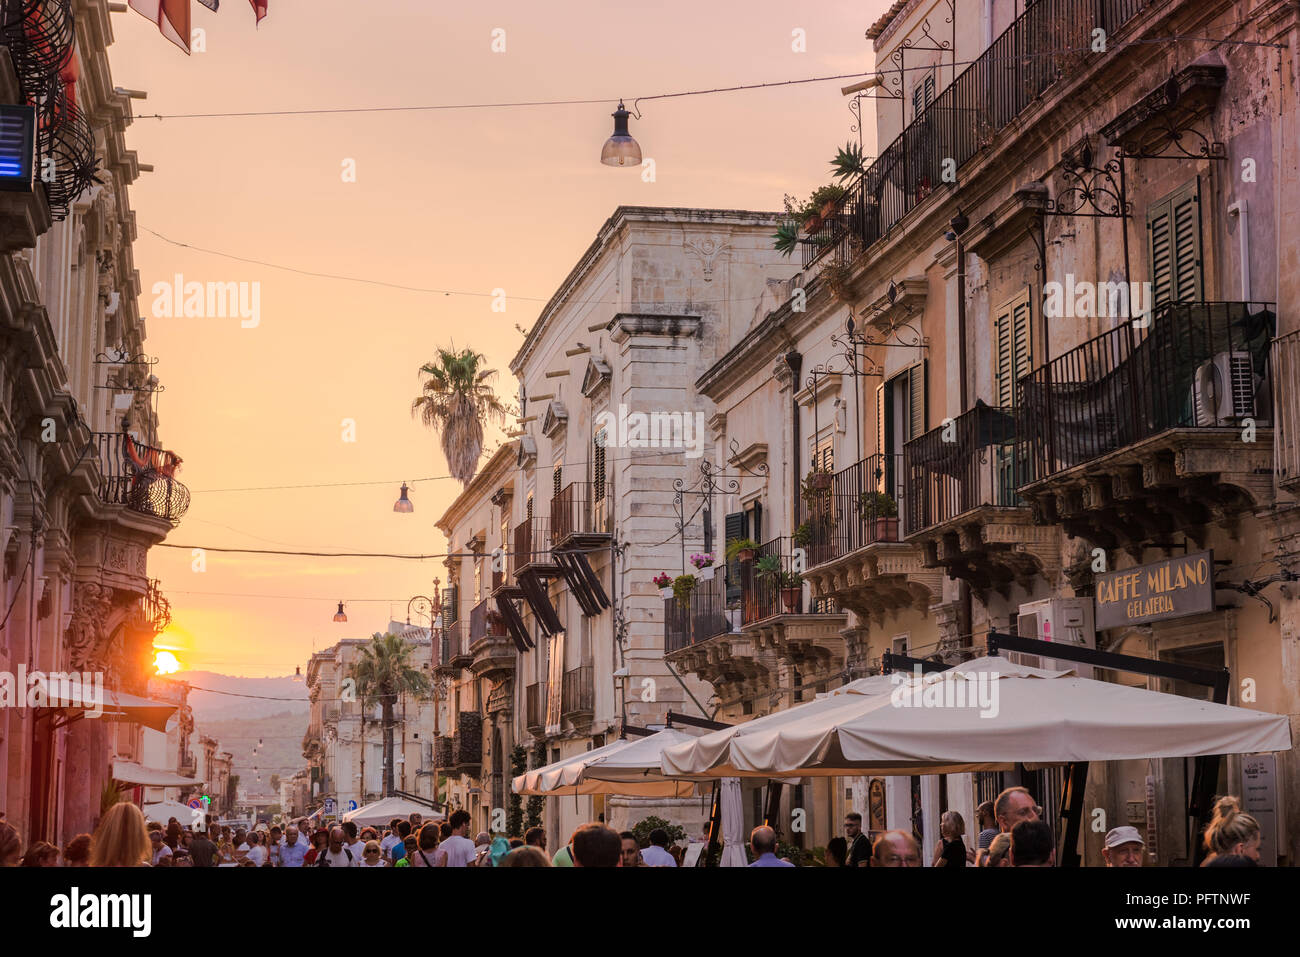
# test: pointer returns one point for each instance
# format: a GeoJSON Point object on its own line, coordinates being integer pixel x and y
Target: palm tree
{"type": "Point", "coordinates": [382, 673]}
{"type": "Point", "coordinates": [456, 402]}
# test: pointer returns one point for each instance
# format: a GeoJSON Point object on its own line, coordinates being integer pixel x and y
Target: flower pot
{"type": "Point", "coordinates": [745, 555]}
{"type": "Point", "coordinates": [812, 223]}
{"type": "Point", "coordinates": [821, 481]}
{"type": "Point", "coordinates": [828, 208]}
{"type": "Point", "coordinates": [790, 598]}
{"type": "Point", "coordinates": [705, 574]}
{"type": "Point", "coordinates": [666, 592]}
{"type": "Point", "coordinates": [886, 529]}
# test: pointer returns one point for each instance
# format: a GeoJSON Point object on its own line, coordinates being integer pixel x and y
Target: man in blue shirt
{"type": "Point", "coordinates": [293, 848]}
{"type": "Point", "coordinates": [763, 841]}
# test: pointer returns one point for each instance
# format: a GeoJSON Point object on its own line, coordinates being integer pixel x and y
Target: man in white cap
{"type": "Point", "coordinates": [1124, 847]}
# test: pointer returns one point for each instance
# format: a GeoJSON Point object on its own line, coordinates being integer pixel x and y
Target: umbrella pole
{"type": "Point", "coordinates": [714, 849]}
{"type": "Point", "coordinates": [1072, 812]}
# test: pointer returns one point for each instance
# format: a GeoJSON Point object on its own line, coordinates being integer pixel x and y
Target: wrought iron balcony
{"type": "Point", "coordinates": [1195, 365]}
{"type": "Point", "coordinates": [1045, 43]}
{"type": "Point", "coordinates": [859, 508]}
{"type": "Point", "coordinates": [1141, 432]}
{"type": "Point", "coordinates": [492, 648]}
{"type": "Point", "coordinates": [467, 742]}
{"type": "Point", "coordinates": [973, 462]}
{"type": "Point", "coordinates": [455, 653]}
{"type": "Point", "coordinates": [762, 592]}
{"type": "Point", "coordinates": [582, 515]}
{"type": "Point", "coordinates": [704, 616]}
{"type": "Point", "coordinates": [532, 546]}
{"type": "Point", "coordinates": [140, 477]}
{"type": "Point", "coordinates": [578, 693]}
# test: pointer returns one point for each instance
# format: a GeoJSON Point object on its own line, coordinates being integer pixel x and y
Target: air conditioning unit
{"type": "Point", "coordinates": [1223, 390]}
{"type": "Point", "coordinates": [1067, 621]}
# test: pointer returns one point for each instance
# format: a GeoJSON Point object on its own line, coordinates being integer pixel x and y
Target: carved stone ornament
{"type": "Point", "coordinates": [91, 605]}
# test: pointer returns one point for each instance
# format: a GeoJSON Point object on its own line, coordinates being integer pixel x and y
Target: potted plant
{"type": "Point", "coordinates": [815, 485]}
{"type": "Point", "coordinates": [791, 588]}
{"type": "Point", "coordinates": [803, 535]}
{"type": "Point", "coordinates": [769, 566]}
{"type": "Point", "coordinates": [848, 162]}
{"type": "Point", "coordinates": [664, 583]}
{"type": "Point", "coordinates": [496, 622]}
{"type": "Point", "coordinates": [704, 565]}
{"type": "Point", "coordinates": [741, 549]}
{"type": "Point", "coordinates": [880, 509]}
{"type": "Point", "coordinates": [683, 586]}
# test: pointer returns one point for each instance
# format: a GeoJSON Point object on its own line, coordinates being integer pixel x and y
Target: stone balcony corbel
{"type": "Point", "coordinates": [877, 581]}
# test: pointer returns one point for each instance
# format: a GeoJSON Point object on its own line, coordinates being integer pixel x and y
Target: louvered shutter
{"type": "Point", "coordinates": [882, 435]}
{"type": "Point", "coordinates": [557, 484]}
{"type": "Point", "coordinates": [1174, 246]}
{"type": "Point", "coordinates": [736, 527]}
{"type": "Point", "coordinates": [1011, 340]}
{"type": "Point", "coordinates": [449, 604]}
{"type": "Point", "coordinates": [598, 467]}
{"type": "Point", "coordinates": [916, 389]}
{"type": "Point", "coordinates": [529, 511]}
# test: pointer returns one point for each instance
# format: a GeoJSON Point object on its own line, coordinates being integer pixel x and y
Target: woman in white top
{"type": "Point", "coordinates": [256, 851]}
{"type": "Point", "coordinates": [371, 856]}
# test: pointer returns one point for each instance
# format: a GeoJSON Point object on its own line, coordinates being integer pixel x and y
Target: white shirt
{"type": "Point", "coordinates": [378, 863]}
{"type": "Point", "coordinates": [257, 854]}
{"type": "Point", "coordinates": [388, 843]}
{"type": "Point", "coordinates": [158, 855]}
{"type": "Point", "coordinates": [340, 859]}
{"type": "Point", "coordinates": [655, 856]}
{"type": "Point", "coordinates": [456, 851]}
{"type": "Point", "coordinates": [358, 850]}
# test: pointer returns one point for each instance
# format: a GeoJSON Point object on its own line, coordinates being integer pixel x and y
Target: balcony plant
{"type": "Point", "coordinates": [683, 587]}
{"type": "Point", "coordinates": [880, 509]}
{"type": "Point", "coordinates": [815, 485]}
{"type": "Point", "coordinates": [803, 535]}
{"type": "Point", "coordinates": [849, 162]}
{"type": "Point", "coordinates": [664, 582]}
{"type": "Point", "coordinates": [791, 584]}
{"type": "Point", "coordinates": [741, 549]}
{"type": "Point", "coordinates": [703, 563]}
{"type": "Point", "coordinates": [769, 566]}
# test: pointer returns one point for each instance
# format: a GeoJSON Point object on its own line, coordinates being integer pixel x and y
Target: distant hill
{"type": "Point", "coordinates": [261, 701]}
{"type": "Point", "coordinates": [280, 751]}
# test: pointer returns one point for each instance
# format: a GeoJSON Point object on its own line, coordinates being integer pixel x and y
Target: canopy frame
{"type": "Point", "coordinates": [1207, 765]}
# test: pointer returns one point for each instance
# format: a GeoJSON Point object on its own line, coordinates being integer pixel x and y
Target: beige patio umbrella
{"type": "Point", "coordinates": [627, 766]}
{"type": "Point", "coordinates": [987, 714]}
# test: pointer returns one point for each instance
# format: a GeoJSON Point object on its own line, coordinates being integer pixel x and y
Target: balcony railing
{"type": "Point", "coordinates": [485, 621]}
{"type": "Point", "coordinates": [971, 462]}
{"type": "Point", "coordinates": [1285, 367]}
{"type": "Point", "coordinates": [581, 508]}
{"type": "Point", "coordinates": [467, 742]}
{"type": "Point", "coordinates": [140, 477]}
{"type": "Point", "coordinates": [1049, 40]}
{"type": "Point", "coordinates": [534, 707]}
{"type": "Point", "coordinates": [532, 544]}
{"type": "Point", "coordinates": [703, 617]}
{"type": "Point", "coordinates": [578, 693]}
{"type": "Point", "coordinates": [455, 644]}
{"type": "Point", "coordinates": [1195, 365]}
{"type": "Point", "coordinates": [762, 591]}
{"type": "Point", "coordinates": [860, 507]}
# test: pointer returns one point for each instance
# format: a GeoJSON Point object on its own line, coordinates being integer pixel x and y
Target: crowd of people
{"type": "Point", "coordinates": [1012, 834]}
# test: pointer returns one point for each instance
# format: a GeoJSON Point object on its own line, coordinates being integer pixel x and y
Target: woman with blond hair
{"type": "Point", "coordinates": [951, 849]}
{"type": "Point", "coordinates": [121, 839]}
{"type": "Point", "coordinates": [11, 845]}
{"type": "Point", "coordinates": [1231, 831]}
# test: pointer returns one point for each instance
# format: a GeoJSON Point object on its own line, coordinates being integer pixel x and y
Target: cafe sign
{"type": "Point", "coordinates": [1173, 588]}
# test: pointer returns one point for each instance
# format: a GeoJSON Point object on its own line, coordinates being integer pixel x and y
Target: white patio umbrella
{"type": "Point", "coordinates": [163, 811]}
{"type": "Point", "coordinates": [626, 766]}
{"type": "Point", "coordinates": [987, 714]}
{"type": "Point", "coordinates": [733, 826]}
{"type": "Point", "coordinates": [385, 809]}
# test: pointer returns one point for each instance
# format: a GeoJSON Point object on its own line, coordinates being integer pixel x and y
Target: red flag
{"type": "Point", "coordinates": [259, 8]}
{"type": "Point", "coordinates": [172, 17]}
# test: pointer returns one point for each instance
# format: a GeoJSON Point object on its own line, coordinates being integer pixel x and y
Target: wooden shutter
{"type": "Point", "coordinates": [882, 418]}
{"type": "Point", "coordinates": [916, 395]}
{"type": "Point", "coordinates": [529, 511]}
{"type": "Point", "coordinates": [598, 467]}
{"type": "Point", "coordinates": [557, 483]}
{"type": "Point", "coordinates": [1011, 345]}
{"type": "Point", "coordinates": [449, 604]}
{"type": "Point", "coordinates": [736, 527]}
{"type": "Point", "coordinates": [1174, 246]}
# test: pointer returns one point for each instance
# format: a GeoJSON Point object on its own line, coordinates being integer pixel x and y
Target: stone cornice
{"type": "Point", "coordinates": [627, 324]}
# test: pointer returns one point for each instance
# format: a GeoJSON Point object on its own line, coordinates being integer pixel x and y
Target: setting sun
{"type": "Point", "coordinates": [165, 663]}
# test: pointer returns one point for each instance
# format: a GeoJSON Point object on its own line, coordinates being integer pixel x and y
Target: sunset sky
{"type": "Point", "coordinates": [466, 200]}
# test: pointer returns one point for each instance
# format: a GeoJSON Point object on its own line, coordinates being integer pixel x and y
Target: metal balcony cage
{"type": "Point", "coordinates": [1051, 39]}
{"type": "Point", "coordinates": [1195, 365]}
{"type": "Point", "coordinates": [140, 477]}
{"type": "Point", "coordinates": [703, 616]}
{"type": "Point", "coordinates": [860, 507]}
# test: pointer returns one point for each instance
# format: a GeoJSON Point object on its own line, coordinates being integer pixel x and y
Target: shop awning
{"type": "Point", "coordinates": [129, 772]}
{"type": "Point", "coordinates": [145, 711]}
{"type": "Point", "coordinates": [627, 766]}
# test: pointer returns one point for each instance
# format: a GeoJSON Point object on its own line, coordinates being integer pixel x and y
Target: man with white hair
{"type": "Point", "coordinates": [1124, 847]}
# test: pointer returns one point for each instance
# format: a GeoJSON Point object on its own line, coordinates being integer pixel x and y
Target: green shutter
{"type": "Point", "coordinates": [736, 527]}
{"type": "Point", "coordinates": [1174, 246]}
{"type": "Point", "coordinates": [1011, 340]}
{"type": "Point", "coordinates": [916, 395]}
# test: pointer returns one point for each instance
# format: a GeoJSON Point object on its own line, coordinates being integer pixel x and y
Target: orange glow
{"type": "Point", "coordinates": [165, 662]}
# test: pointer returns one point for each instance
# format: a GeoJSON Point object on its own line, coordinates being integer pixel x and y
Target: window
{"type": "Point", "coordinates": [823, 456]}
{"type": "Point", "coordinates": [901, 409]}
{"type": "Point", "coordinates": [1174, 246]}
{"type": "Point", "coordinates": [735, 528]}
{"type": "Point", "coordinates": [557, 482]}
{"type": "Point", "coordinates": [1011, 342]}
{"type": "Point", "coordinates": [529, 507]}
{"type": "Point", "coordinates": [899, 644]}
